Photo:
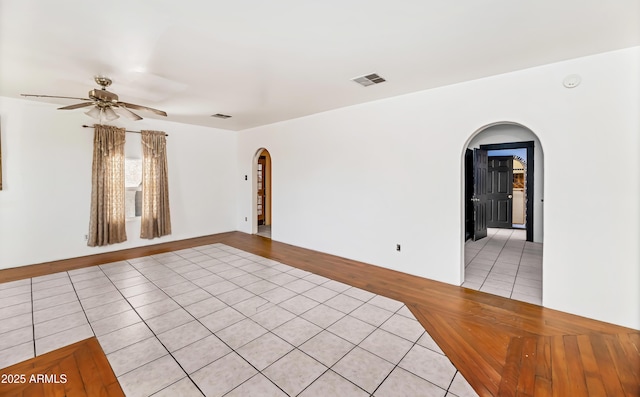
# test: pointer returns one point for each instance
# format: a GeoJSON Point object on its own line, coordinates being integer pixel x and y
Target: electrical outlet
{"type": "Point", "coordinates": [398, 247]}
{"type": "Point", "coordinates": [86, 237]}
{"type": "Point", "coordinates": [245, 219]}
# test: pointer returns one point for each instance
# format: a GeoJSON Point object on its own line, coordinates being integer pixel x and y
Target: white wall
{"type": "Point", "coordinates": [47, 155]}
{"type": "Point", "coordinates": [356, 181]}
{"type": "Point", "coordinates": [504, 133]}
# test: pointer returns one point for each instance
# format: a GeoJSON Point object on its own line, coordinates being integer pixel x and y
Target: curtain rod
{"type": "Point", "coordinates": [135, 132]}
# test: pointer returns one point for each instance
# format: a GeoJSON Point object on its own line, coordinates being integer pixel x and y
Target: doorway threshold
{"type": "Point", "coordinates": [264, 231]}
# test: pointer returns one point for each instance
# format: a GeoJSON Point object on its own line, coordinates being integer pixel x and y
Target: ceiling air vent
{"type": "Point", "coordinates": [368, 80]}
{"type": "Point", "coordinates": [221, 116]}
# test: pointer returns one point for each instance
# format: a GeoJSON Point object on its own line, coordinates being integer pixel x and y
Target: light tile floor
{"type": "Point", "coordinates": [505, 264]}
{"type": "Point", "coordinates": [216, 320]}
{"type": "Point", "coordinates": [264, 231]}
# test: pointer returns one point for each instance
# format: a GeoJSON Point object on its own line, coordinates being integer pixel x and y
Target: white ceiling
{"type": "Point", "coordinates": [266, 61]}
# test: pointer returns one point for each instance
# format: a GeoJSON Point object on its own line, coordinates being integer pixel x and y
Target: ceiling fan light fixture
{"type": "Point", "coordinates": [102, 113]}
{"type": "Point", "coordinates": [109, 114]}
{"type": "Point", "coordinates": [94, 112]}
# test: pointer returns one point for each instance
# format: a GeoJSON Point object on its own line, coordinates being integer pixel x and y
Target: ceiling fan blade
{"type": "Point", "coordinates": [76, 106]}
{"type": "Point", "coordinates": [127, 113]}
{"type": "Point", "coordinates": [54, 96]}
{"type": "Point", "coordinates": [138, 107]}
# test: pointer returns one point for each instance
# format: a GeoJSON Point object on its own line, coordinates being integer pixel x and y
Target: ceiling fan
{"type": "Point", "coordinates": [104, 103]}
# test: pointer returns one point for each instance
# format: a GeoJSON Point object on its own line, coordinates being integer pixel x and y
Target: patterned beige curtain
{"type": "Point", "coordinates": [107, 222]}
{"type": "Point", "coordinates": [156, 220]}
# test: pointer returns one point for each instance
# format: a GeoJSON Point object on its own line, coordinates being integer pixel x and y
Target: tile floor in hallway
{"type": "Point", "coordinates": [505, 264]}
{"type": "Point", "coordinates": [216, 320]}
{"type": "Point", "coordinates": [264, 231]}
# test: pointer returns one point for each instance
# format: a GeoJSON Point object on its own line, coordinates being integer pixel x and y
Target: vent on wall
{"type": "Point", "coordinates": [368, 80]}
{"type": "Point", "coordinates": [221, 116]}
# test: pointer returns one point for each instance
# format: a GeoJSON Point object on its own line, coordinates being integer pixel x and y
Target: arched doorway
{"type": "Point", "coordinates": [262, 193]}
{"type": "Point", "coordinates": [503, 212]}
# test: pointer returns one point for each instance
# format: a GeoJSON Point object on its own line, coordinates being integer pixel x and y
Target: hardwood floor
{"type": "Point", "coordinates": [502, 347]}
{"type": "Point", "coordinates": [77, 370]}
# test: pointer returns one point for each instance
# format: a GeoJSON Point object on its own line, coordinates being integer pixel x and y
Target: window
{"type": "Point", "coordinates": [133, 187]}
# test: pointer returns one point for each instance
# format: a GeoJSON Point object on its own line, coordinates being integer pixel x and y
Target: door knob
{"type": "Point", "coordinates": [510, 196]}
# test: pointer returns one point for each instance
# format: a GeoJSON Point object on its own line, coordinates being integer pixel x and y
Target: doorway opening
{"type": "Point", "coordinates": [262, 196]}
{"type": "Point", "coordinates": [503, 180]}
{"type": "Point", "coordinates": [499, 188]}
{"type": "Point", "coordinates": [508, 168]}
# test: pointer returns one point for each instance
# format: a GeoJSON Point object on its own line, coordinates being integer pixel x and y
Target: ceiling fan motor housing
{"type": "Point", "coordinates": [103, 96]}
